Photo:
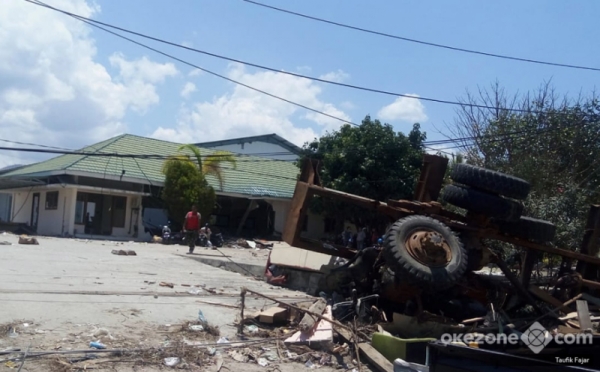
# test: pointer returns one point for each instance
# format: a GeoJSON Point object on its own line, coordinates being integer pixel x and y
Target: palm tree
{"type": "Point", "coordinates": [211, 165]}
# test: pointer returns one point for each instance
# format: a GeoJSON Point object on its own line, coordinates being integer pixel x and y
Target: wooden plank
{"type": "Point", "coordinates": [544, 248]}
{"type": "Point", "coordinates": [308, 321]}
{"type": "Point", "coordinates": [273, 315]}
{"type": "Point", "coordinates": [585, 322]}
{"type": "Point", "coordinates": [373, 356]}
{"type": "Point", "coordinates": [546, 297]}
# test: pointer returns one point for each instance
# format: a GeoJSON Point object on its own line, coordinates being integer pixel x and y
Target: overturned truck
{"type": "Point", "coordinates": [429, 249]}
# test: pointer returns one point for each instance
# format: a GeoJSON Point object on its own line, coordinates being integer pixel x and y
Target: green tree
{"type": "Point", "coordinates": [212, 163]}
{"type": "Point", "coordinates": [184, 186]}
{"type": "Point", "coordinates": [552, 142]}
{"type": "Point", "coordinates": [371, 160]}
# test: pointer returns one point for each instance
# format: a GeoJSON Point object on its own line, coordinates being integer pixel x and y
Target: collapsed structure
{"type": "Point", "coordinates": [430, 262]}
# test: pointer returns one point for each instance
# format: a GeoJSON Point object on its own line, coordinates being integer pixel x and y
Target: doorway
{"type": "Point", "coordinates": [35, 211]}
{"type": "Point", "coordinates": [99, 214]}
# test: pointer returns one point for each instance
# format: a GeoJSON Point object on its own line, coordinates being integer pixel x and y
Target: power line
{"type": "Point", "coordinates": [95, 23]}
{"type": "Point", "coordinates": [421, 41]}
{"type": "Point", "coordinates": [91, 23]}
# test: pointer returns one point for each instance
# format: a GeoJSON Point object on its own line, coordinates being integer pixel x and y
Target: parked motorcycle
{"type": "Point", "coordinates": [168, 237]}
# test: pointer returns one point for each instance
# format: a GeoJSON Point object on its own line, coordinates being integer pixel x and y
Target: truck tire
{"type": "Point", "coordinates": [490, 181]}
{"type": "Point", "coordinates": [529, 229]}
{"type": "Point", "coordinates": [482, 203]}
{"type": "Point", "coordinates": [424, 251]}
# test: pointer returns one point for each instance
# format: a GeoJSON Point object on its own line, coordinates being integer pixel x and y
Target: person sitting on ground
{"type": "Point", "coordinates": [191, 227]}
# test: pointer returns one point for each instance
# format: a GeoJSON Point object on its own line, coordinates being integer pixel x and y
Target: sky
{"type": "Point", "coordinates": [65, 84]}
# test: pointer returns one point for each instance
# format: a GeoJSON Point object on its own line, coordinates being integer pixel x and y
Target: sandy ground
{"type": "Point", "coordinates": [64, 293]}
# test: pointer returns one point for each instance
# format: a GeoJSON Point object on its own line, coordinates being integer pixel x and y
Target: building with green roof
{"type": "Point", "coordinates": [96, 192]}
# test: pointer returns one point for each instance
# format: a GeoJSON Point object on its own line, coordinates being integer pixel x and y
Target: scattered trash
{"type": "Point", "coordinates": [196, 328]}
{"type": "Point", "coordinates": [223, 340]}
{"type": "Point", "coordinates": [172, 361]}
{"type": "Point", "coordinates": [252, 328]}
{"type": "Point", "coordinates": [166, 284]}
{"type": "Point", "coordinates": [13, 333]}
{"type": "Point", "coordinates": [5, 243]}
{"type": "Point", "coordinates": [195, 291]}
{"type": "Point", "coordinates": [262, 362]}
{"type": "Point", "coordinates": [310, 364]}
{"type": "Point", "coordinates": [211, 350]}
{"type": "Point", "coordinates": [201, 317]}
{"type": "Point", "coordinates": [97, 345]}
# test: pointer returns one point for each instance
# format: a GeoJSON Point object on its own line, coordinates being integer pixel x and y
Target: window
{"type": "Point", "coordinates": [329, 225]}
{"type": "Point", "coordinates": [119, 207]}
{"type": "Point", "coordinates": [52, 200]}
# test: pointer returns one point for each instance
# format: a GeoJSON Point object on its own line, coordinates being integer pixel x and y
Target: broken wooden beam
{"type": "Point", "coordinates": [293, 307]}
{"type": "Point", "coordinates": [373, 356]}
{"type": "Point", "coordinates": [308, 321]}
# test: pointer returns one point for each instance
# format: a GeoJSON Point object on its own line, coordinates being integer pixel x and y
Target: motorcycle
{"type": "Point", "coordinates": [168, 237]}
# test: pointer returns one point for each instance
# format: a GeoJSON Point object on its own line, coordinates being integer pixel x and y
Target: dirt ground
{"type": "Point", "coordinates": [62, 294]}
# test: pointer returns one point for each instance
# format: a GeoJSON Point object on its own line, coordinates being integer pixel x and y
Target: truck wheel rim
{"type": "Point", "coordinates": [429, 248]}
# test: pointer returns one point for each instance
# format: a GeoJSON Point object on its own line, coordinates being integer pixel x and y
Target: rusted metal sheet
{"type": "Point", "coordinates": [431, 178]}
{"type": "Point", "coordinates": [361, 201]}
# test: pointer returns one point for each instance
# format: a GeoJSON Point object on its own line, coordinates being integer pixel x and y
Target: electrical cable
{"type": "Point", "coordinates": [371, 90]}
{"type": "Point", "coordinates": [528, 60]}
{"type": "Point", "coordinates": [196, 66]}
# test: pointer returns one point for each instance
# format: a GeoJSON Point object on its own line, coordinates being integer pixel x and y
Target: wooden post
{"type": "Point", "coordinates": [243, 294]}
{"type": "Point", "coordinates": [250, 208]}
{"type": "Point", "coordinates": [527, 267]}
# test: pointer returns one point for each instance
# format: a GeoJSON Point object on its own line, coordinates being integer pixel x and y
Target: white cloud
{"type": "Point", "coordinates": [404, 109]}
{"type": "Point", "coordinates": [195, 72]}
{"type": "Point", "coordinates": [245, 112]}
{"type": "Point", "coordinates": [188, 89]}
{"type": "Point", "coordinates": [338, 76]}
{"type": "Point", "coordinates": [53, 90]}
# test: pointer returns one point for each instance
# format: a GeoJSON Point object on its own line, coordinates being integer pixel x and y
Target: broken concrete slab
{"type": "Point", "coordinates": [273, 315]}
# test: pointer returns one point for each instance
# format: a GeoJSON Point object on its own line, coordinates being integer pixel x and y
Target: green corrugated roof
{"type": "Point", "coordinates": [253, 176]}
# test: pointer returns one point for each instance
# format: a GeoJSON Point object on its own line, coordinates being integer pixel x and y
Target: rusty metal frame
{"type": "Point", "coordinates": [427, 192]}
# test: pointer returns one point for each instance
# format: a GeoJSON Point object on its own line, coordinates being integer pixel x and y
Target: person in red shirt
{"type": "Point", "coordinates": [191, 227]}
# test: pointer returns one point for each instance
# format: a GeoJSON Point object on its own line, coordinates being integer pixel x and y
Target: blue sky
{"type": "Point", "coordinates": [92, 85]}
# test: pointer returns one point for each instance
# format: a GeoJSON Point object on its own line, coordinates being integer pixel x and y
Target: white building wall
{"type": "Point", "coordinates": [55, 221]}
{"type": "Point", "coordinates": [262, 149]}
{"type": "Point", "coordinates": [21, 206]}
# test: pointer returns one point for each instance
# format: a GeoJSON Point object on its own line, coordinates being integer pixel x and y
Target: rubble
{"type": "Point", "coordinates": [24, 239]}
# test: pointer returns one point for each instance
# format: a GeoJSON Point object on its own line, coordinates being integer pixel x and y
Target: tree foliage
{"type": "Point", "coordinates": [552, 142]}
{"type": "Point", "coordinates": [211, 165]}
{"type": "Point", "coordinates": [184, 186]}
{"type": "Point", "coordinates": [371, 160]}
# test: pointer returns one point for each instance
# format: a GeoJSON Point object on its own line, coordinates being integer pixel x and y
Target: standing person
{"type": "Point", "coordinates": [360, 239]}
{"type": "Point", "coordinates": [347, 236]}
{"type": "Point", "coordinates": [191, 227]}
